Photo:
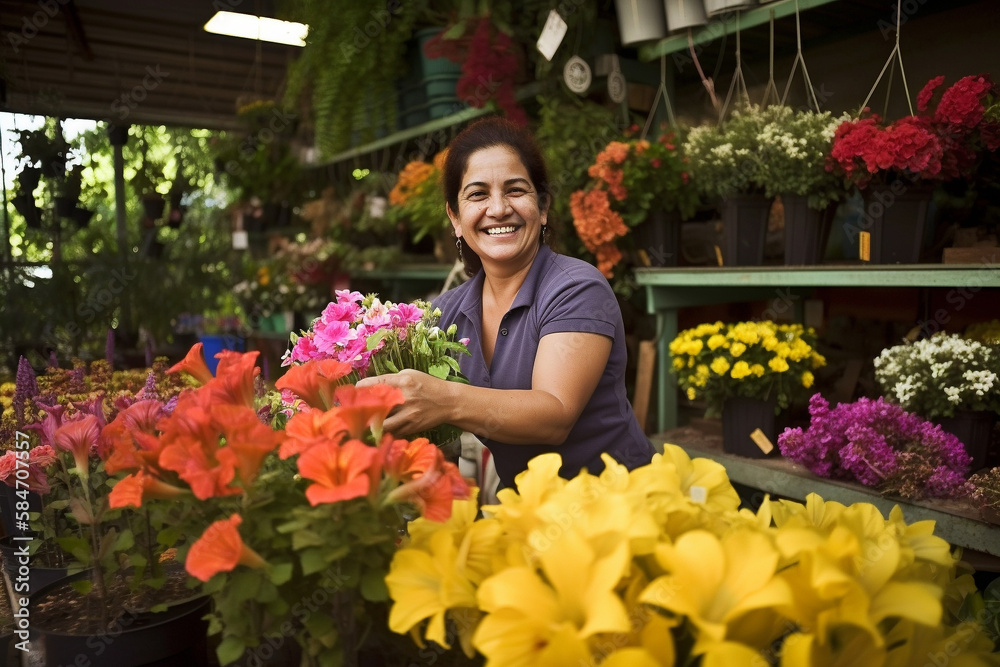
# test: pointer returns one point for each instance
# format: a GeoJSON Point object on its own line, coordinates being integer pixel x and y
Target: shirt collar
{"type": "Point", "coordinates": [472, 303]}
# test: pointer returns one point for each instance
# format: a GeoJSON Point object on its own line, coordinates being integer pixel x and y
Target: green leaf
{"type": "Point", "coordinates": [338, 553]}
{"type": "Point", "coordinates": [374, 339]}
{"type": "Point", "coordinates": [76, 547]}
{"type": "Point", "coordinates": [306, 538]}
{"type": "Point", "coordinates": [438, 370]}
{"type": "Point", "coordinates": [313, 560]}
{"type": "Point", "coordinates": [244, 585]}
{"type": "Point", "coordinates": [320, 625]}
{"type": "Point", "coordinates": [373, 586]}
{"type": "Point", "coordinates": [280, 574]}
{"type": "Point", "coordinates": [290, 526]}
{"type": "Point", "coordinates": [125, 541]}
{"type": "Point", "coordinates": [82, 586]}
{"type": "Point", "coordinates": [230, 650]}
{"type": "Point", "coordinates": [168, 536]}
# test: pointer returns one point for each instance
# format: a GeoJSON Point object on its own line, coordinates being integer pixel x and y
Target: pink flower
{"type": "Point", "coordinates": [464, 341]}
{"type": "Point", "coordinates": [404, 314]}
{"type": "Point", "coordinates": [333, 335]}
{"type": "Point", "coordinates": [347, 296]}
{"type": "Point", "coordinates": [377, 316]}
{"type": "Point", "coordinates": [346, 311]}
{"type": "Point", "coordinates": [305, 350]}
{"type": "Point", "coordinates": [925, 95]}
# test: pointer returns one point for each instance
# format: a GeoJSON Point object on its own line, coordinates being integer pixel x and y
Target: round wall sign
{"type": "Point", "coordinates": [576, 74]}
{"type": "Point", "coordinates": [617, 86]}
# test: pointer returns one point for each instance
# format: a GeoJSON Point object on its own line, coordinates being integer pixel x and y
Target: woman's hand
{"type": "Point", "coordinates": [424, 405]}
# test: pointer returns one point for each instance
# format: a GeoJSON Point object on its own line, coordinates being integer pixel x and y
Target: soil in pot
{"type": "Point", "coordinates": [66, 623]}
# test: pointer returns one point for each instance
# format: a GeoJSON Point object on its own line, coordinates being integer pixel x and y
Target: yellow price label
{"type": "Point", "coordinates": [761, 441]}
{"type": "Point", "coordinates": [865, 246]}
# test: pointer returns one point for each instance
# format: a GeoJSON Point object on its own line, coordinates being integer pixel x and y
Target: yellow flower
{"type": "Point", "coordinates": [741, 369]}
{"type": "Point", "coordinates": [425, 585]}
{"type": "Point", "coordinates": [715, 581]}
{"type": "Point", "coordinates": [691, 393]}
{"type": "Point", "coordinates": [678, 363]}
{"type": "Point", "coordinates": [720, 365]}
{"type": "Point", "coordinates": [757, 370]}
{"type": "Point", "coordinates": [777, 364]}
{"type": "Point", "coordinates": [716, 341]}
{"type": "Point", "coordinates": [807, 379]}
{"type": "Point", "coordinates": [694, 347]}
{"type": "Point", "coordinates": [736, 349]}
{"type": "Point", "coordinates": [536, 621]}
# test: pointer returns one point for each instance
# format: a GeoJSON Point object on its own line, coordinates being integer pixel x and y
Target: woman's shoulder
{"type": "Point", "coordinates": [564, 269]}
{"type": "Point", "coordinates": [452, 297]}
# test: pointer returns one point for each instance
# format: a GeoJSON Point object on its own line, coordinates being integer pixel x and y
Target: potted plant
{"type": "Point", "coordinates": [746, 372]}
{"type": "Point", "coordinates": [307, 504]}
{"type": "Point", "coordinates": [794, 146]}
{"type": "Point", "coordinates": [986, 493]}
{"type": "Point", "coordinates": [879, 444]}
{"type": "Point", "coordinates": [946, 379]}
{"type": "Point", "coordinates": [646, 184]}
{"type": "Point", "coordinates": [417, 206]}
{"type": "Point", "coordinates": [723, 163]}
{"type": "Point", "coordinates": [793, 583]}
{"type": "Point", "coordinates": [68, 191]}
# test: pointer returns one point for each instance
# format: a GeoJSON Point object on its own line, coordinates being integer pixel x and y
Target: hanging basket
{"type": "Point", "coordinates": [683, 14]}
{"type": "Point", "coordinates": [896, 218]}
{"type": "Point", "coordinates": [806, 230]}
{"type": "Point", "coordinates": [716, 7]}
{"type": "Point", "coordinates": [25, 205]}
{"type": "Point", "coordinates": [640, 20]}
{"type": "Point", "coordinates": [658, 239]}
{"type": "Point", "coordinates": [744, 229]}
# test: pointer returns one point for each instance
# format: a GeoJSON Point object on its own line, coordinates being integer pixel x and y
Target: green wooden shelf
{"type": "Point", "coordinates": [669, 289]}
{"type": "Point", "coordinates": [726, 24]}
{"type": "Point", "coordinates": [407, 272]}
{"type": "Point", "coordinates": [956, 521]}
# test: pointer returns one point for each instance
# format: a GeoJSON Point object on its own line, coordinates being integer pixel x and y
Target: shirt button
{"type": "Point", "coordinates": [503, 332]}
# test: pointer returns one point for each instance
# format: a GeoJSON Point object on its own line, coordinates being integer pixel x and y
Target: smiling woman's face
{"type": "Point", "coordinates": [499, 215]}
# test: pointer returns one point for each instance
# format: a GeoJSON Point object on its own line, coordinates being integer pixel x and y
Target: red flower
{"type": "Point", "coordinates": [340, 472]}
{"type": "Point", "coordinates": [248, 440]}
{"type": "Point", "coordinates": [220, 549]}
{"type": "Point", "coordinates": [314, 381]}
{"type": "Point", "coordinates": [234, 377]}
{"type": "Point", "coordinates": [193, 364]}
{"type": "Point", "coordinates": [362, 408]}
{"type": "Point", "coordinates": [925, 95]}
{"type": "Point", "coordinates": [132, 490]}
{"type": "Point", "coordinates": [78, 437]}
{"type": "Point", "coordinates": [308, 429]}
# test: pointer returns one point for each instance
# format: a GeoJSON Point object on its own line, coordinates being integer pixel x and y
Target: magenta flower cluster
{"type": "Point", "coordinates": [880, 445]}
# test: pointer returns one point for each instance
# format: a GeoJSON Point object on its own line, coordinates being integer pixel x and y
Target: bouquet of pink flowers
{"type": "Point", "coordinates": [377, 338]}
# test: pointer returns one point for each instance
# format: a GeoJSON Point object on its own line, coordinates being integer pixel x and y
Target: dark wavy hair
{"type": "Point", "coordinates": [487, 133]}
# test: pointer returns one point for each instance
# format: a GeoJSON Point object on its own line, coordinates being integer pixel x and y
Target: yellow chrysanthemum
{"type": "Point", "coordinates": [736, 349]}
{"type": "Point", "coordinates": [777, 364]}
{"type": "Point", "coordinates": [719, 365]}
{"type": "Point", "coordinates": [716, 341]}
{"type": "Point", "coordinates": [757, 370]}
{"type": "Point", "coordinates": [741, 369]}
{"type": "Point", "coordinates": [807, 379]}
{"type": "Point", "coordinates": [691, 394]}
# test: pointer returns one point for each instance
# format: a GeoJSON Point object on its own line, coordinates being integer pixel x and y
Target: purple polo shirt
{"type": "Point", "coordinates": [559, 294]}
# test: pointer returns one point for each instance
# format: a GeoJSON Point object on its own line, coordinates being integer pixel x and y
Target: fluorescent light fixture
{"type": "Point", "coordinates": [258, 27]}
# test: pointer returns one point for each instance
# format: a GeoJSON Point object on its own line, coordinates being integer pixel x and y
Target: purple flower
{"type": "Point", "coordinates": [25, 387]}
{"type": "Point", "coordinates": [880, 445]}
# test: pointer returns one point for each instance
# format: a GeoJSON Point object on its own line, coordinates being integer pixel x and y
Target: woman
{"type": "Point", "coordinates": [547, 371]}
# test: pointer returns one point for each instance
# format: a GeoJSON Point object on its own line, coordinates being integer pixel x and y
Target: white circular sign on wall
{"type": "Point", "coordinates": [577, 75]}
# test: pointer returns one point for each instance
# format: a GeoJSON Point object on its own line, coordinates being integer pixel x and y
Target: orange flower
{"type": "Point", "coordinates": [234, 377]}
{"type": "Point", "coordinates": [433, 491]}
{"type": "Point", "coordinates": [314, 381]}
{"type": "Point", "coordinates": [308, 429]}
{"type": "Point", "coordinates": [129, 442]}
{"type": "Point", "coordinates": [405, 460]}
{"type": "Point", "coordinates": [77, 437]}
{"type": "Point", "coordinates": [220, 549]}
{"type": "Point", "coordinates": [248, 440]}
{"type": "Point", "coordinates": [413, 175]}
{"type": "Point", "coordinates": [341, 472]}
{"type": "Point", "coordinates": [439, 159]}
{"type": "Point", "coordinates": [137, 487]}
{"type": "Point", "coordinates": [193, 364]}
{"type": "Point", "coordinates": [362, 408]}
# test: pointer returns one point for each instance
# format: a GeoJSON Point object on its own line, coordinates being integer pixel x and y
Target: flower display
{"type": "Point", "coordinates": [266, 516]}
{"type": "Point", "coordinates": [723, 158]}
{"type": "Point", "coordinates": [966, 119]}
{"type": "Point", "coordinates": [630, 178]}
{"type": "Point", "coordinates": [296, 278]}
{"type": "Point", "coordinates": [880, 445]}
{"type": "Point", "coordinates": [658, 567]}
{"type": "Point", "coordinates": [936, 376]}
{"type": "Point", "coordinates": [751, 359]}
{"type": "Point", "coordinates": [986, 489]}
{"type": "Point", "coordinates": [984, 332]}
{"type": "Point", "coordinates": [376, 338]}
{"type": "Point", "coordinates": [417, 199]}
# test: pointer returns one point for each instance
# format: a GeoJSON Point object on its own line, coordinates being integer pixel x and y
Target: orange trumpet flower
{"type": "Point", "coordinates": [221, 549]}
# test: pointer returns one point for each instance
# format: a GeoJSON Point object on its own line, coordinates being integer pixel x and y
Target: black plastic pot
{"type": "Point", "coordinates": [38, 577]}
{"type": "Point", "coordinates": [25, 205]}
{"type": "Point", "coordinates": [28, 179]}
{"type": "Point", "coordinates": [153, 206]}
{"type": "Point", "coordinates": [177, 636]}
{"type": "Point", "coordinates": [65, 206]}
{"type": "Point", "coordinates": [741, 416]}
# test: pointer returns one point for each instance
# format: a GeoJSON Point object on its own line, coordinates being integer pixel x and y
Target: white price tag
{"type": "Point", "coordinates": [552, 35]}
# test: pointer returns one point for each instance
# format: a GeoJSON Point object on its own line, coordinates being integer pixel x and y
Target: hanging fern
{"type": "Point", "coordinates": [348, 69]}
